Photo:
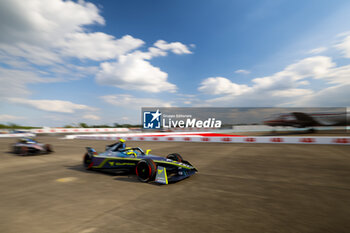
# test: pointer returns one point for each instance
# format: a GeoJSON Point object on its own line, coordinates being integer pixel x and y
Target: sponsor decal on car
{"type": "Point", "coordinates": [161, 176]}
{"type": "Point", "coordinates": [111, 163]}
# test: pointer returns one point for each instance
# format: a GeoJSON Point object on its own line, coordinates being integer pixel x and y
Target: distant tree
{"type": "Point", "coordinates": [15, 126]}
{"type": "Point", "coordinates": [83, 125]}
{"type": "Point", "coordinates": [101, 126]}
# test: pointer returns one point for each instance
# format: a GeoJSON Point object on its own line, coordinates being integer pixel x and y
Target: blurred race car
{"type": "Point", "coordinates": [148, 168]}
{"type": "Point", "coordinates": [28, 146]}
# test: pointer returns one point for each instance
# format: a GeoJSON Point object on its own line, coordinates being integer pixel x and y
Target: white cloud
{"type": "Point", "coordinates": [44, 22]}
{"type": "Point", "coordinates": [52, 105]}
{"type": "Point", "coordinates": [337, 75]}
{"type": "Point", "coordinates": [37, 29]}
{"type": "Point", "coordinates": [13, 82]}
{"type": "Point", "coordinates": [175, 47]}
{"type": "Point", "coordinates": [334, 96]}
{"type": "Point", "coordinates": [303, 82]}
{"type": "Point", "coordinates": [312, 67]}
{"type": "Point", "coordinates": [42, 33]}
{"type": "Point", "coordinates": [287, 79]}
{"type": "Point", "coordinates": [293, 92]}
{"type": "Point", "coordinates": [6, 118]}
{"type": "Point", "coordinates": [242, 72]}
{"type": "Point", "coordinates": [40, 37]}
{"type": "Point", "coordinates": [34, 36]}
{"type": "Point", "coordinates": [133, 72]}
{"type": "Point", "coordinates": [67, 72]}
{"type": "Point", "coordinates": [316, 67]}
{"type": "Point", "coordinates": [98, 46]}
{"type": "Point", "coordinates": [344, 46]}
{"type": "Point", "coordinates": [317, 50]}
{"type": "Point", "coordinates": [220, 85]}
{"type": "Point", "coordinates": [91, 117]}
{"type": "Point", "coordinates": [129, 101]}
{"type": "Point", "coordinates": [284, 87]}
{"type": "Point", "coordinates": [32, 54]}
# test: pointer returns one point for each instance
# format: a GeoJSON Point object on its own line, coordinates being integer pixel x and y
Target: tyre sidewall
{"type": "Point", "coordinates": [146, 166]}
{"type": "Point", "coordinates": [175, 156]}
{"type": "Point", "coordinates": [87, 160]}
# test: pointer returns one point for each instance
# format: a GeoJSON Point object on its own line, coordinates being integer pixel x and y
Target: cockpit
{"type": "Point", "coordinates": [27, 141]}
{"type": "Point", "coordinates": [119, 149]}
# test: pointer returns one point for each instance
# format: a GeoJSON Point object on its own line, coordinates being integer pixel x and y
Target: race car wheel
{"type": "Point", "coordinates": [48, 148]}
{"type": "Point", "coordinates": [146, 170]}
{"type": "Point", "coordinates": [16, 150]}
{"type": "Point", "coordinates": [23, 150]}
{"type": "Point", "coordinates": [175, 157]}
{"type": "Point", "coordinates": [87, 161]}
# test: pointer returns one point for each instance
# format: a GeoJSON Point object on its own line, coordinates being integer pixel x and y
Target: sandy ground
{"type": "Point", "coordinates": [239, 188]}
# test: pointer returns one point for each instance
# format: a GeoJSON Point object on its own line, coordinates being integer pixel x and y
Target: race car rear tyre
{"type": "Point", "coordinates": [48, 148]}
{"type": "Point", "coordinates": [23, 151]}
{"type": "Point", "coordinates": [175, 156]}
{"type": "Point", "coordinates": [87, 161]}
{"type": "Point", "coordinates": [16, 150]}
{"type": "Point", "coordinates": [146, 170]}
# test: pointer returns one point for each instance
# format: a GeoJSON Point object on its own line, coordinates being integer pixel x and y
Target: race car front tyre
{"type": "Point", "coordinates": [175, 156]}
{"type": "Point", "coordinates": [87, 161]}
{"type": "Point", "coordinates": [146, 170]}
{"type": "Point", "coordinates": [48, 148]}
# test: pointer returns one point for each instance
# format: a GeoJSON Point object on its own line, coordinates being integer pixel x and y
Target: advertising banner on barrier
{"type": "Point", "coordinates": [218, 139]}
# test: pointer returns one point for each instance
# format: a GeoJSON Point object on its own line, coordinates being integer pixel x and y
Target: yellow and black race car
{"type": "Point", "coordinates": [148, 167]}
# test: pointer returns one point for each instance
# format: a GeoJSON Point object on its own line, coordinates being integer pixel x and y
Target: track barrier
{"type": "Point", "coordinates": [211, 137]}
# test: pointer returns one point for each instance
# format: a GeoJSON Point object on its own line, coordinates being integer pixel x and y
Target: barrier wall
{"type": "Point", "coordinates": [78, 130]}
{"type": "Point", "coordinates": [223, 139]}
{"type": "Point", "coordinates": [16, 135]}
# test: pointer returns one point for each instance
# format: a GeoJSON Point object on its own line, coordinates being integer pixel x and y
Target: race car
{"type": "Point", "coordinates": [148, 167]}
{"type": "Point", "coordinates": [28, 146]}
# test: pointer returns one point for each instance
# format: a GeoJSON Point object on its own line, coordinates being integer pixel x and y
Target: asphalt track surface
{"type": "Point", "coordinates": [239, 188]}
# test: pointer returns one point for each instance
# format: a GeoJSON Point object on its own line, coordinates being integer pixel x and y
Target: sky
{"type": "Point", "coordinates": [99, 62]}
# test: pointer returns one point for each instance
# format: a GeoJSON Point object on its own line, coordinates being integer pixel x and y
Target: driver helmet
{"type": "Point", "coordinates": [122, 143]}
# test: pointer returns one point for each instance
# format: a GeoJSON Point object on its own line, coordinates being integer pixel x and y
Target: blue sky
{"type": "Point", "coordinates": [64, 62]}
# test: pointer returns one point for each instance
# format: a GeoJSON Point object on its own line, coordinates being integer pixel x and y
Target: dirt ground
{"type": "Point", "coordinates": [239, 188]}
